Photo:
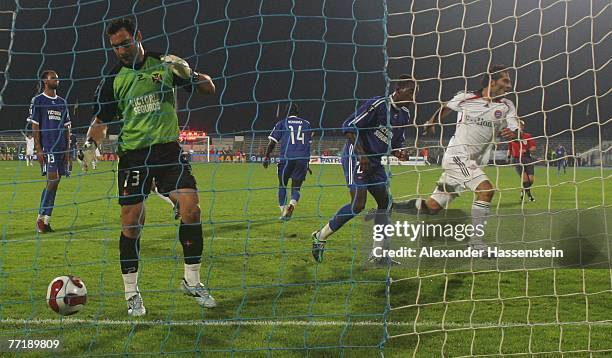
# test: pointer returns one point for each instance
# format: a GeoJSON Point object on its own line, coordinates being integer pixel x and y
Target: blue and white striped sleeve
{"type": "Point", "coordinates": [67, 122]}
{"type": "Point", "coordinates": [362, 118]}
{"type": "Point", "coordinates": [277, 132]}
{"type": "Point", "coordinates": [34, 116]}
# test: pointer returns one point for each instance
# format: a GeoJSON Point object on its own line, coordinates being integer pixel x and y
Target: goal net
{"type": "Point", "coordinates": [328, 57]}
{"type": "Point", "coordinates": [555, 53]}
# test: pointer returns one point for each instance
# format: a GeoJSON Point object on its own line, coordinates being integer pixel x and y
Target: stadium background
{"type": "Point", "coordinates": [326, 55]}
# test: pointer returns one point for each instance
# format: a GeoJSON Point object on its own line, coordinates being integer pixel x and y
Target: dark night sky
{"type": "Point", "coordinates": [328, 55]}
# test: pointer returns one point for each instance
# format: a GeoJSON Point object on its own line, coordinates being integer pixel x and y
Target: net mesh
{"type": "Point", "coordinates": [327, 56]}
{"type": "Point", "coordinates": [553, 50]}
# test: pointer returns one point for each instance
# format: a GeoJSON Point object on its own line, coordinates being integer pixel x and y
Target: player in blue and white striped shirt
{"type": "Point", "coordinates": [51, 127]}
{"type": "Point", "coordinates": [295, 135]}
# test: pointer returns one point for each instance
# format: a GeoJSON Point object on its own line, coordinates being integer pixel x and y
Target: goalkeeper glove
{"type": "Point", "coordinates": [180, 68]}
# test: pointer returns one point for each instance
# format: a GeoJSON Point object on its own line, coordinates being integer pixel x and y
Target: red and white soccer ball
{"type": "Point", "coordinates": [66, 295]}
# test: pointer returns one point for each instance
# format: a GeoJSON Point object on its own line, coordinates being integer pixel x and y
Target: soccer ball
{"type": "Point", "coordinates": [66, 295]}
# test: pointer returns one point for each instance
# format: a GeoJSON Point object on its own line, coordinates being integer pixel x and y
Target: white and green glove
{"type": "Point", "coordinates": [180, 67]}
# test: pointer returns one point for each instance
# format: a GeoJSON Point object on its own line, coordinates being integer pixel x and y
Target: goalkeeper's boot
{"type": "Point", "coordinates": [48, 228]}
{"type": "Point", "coordinates": [136, 307]}
{"type": "Point", "coordinates": [318, 247]}
{"type": "Point", "coordinates": [531, 198]}
{"type": "Point", "coordinates": [287, 212]}
{"type": "Point", "coordinates": [382, 261]}
{"type": "Point", "coordinates": [199, 293]}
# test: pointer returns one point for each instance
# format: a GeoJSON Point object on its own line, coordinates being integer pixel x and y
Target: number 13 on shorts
{"type": "Point", "coordinates": [132, 178]}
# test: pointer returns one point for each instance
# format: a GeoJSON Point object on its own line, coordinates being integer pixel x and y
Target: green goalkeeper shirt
{"type": "Point", "coordinates": [143, 99]}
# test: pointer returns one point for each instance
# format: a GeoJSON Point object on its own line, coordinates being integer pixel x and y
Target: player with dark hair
{"type": "Point", "coordinates": [375, 129]}
{"type": "Point", "coordinates": [51, 128]}
{"type": "Point", "coordinates": [481, 116]}
{"type": "Point", "coordinates": [140, 93]}
{"type": "Point", "coordinates": [295, 135]}
{"type": "Point", "coordinates": [520, 150]}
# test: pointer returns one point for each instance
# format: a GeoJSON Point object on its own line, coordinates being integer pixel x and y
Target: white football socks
{"type": "Point", "coordinates": [130, 284]}
{"type": "Point", "coordinates": [480, 212]}
{"type": "Point", "coordinates": [192, 274]}
{"type": "Point", "coordinates": [419, 203]}
{"type": "Point", "coordinates": [325, 232]}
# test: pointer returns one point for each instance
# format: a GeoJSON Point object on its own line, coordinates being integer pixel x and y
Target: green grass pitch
{"type": "Point", "coordinates": [274, 300]}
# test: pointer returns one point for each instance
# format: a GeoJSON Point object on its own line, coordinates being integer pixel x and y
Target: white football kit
{"type": "Point", "coordinates": [478, 123]}
{"type": "Point", "coordinates": [29, 146]}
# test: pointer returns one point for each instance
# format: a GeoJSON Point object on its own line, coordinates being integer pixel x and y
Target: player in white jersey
{"type": "Point", "coordinates": [481, 116]}
{"type": "Point", "coordinates": [29, 149]}
{"type": "Point", "coordinates": [94, 161]}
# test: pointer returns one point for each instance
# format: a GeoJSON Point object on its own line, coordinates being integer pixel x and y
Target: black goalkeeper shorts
{"type": "Point", "coordinates": [166, 163]}
{"type": "Point", "coordinates": [524, 164]}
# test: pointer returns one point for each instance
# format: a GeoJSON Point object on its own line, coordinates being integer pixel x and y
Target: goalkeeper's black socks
{"type": "Point", "coordinates": [190, 236]}
{"type": "Point", "coordinates": [129, 252]}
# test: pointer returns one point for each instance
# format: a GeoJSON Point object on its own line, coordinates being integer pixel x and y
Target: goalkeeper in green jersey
{"type": "Point", "coordinates": [139, 94]}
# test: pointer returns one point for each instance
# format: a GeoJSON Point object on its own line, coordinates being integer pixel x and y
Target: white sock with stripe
{"type": "Point", "coordinates": [480, 212]}
{"type": "Point", "coordinates": [325, 232]}
{"type": "Point", "coordinates": [192, 274]}
{"type": "Point", "coordinates": [130, 284]}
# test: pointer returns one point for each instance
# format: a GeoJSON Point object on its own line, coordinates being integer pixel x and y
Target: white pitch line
{"type": "Point", "coordinates": [289, 323]}
{"type": "Point", "coordinates": [55, 239]}
{"type": "Point", "coordinates": [108, 322]}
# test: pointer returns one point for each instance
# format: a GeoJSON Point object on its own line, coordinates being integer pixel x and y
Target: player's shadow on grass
{"type": "Point", "coordinates": [103, 341]}
{"type": "Point", "coordinates": [253, 303]}
{"type": "Point", "coordinates": [296, 287]}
